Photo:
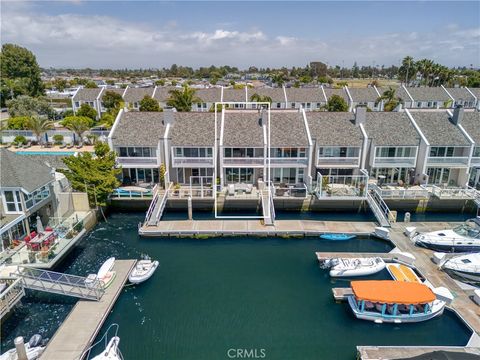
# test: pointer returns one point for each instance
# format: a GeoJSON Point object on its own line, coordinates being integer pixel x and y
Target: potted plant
{"type": "Point", "coordinates": [176, 189]}
{"type": "Point", "coordinates": [58, 139]}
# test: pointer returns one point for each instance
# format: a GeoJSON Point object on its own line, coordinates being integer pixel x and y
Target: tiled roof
{"type": "Point", "coordinates": [340, 92]}
{"type": "Point", "coordinates": [242, 129]}
{"type": "Point", "coordinates": [471, 124]}
{"type": "Point", "coordinates": [428, 93]}
{"type": "Point", "coordinates": [438, 129]}
{"type": "Point", "coordinates": [363, 94]}
{"type": "Point", "coordinates": [312, 95]}
{"type": "Point", "coordinates": [287, 128]}
{"type": "Point", "coordinates": [391, 129]}
{"type": "Point", "coordinates": [460, 94]}
{"type": "Point", "coordinates": [136, 94]}
{"type": "Point", "coordinates": [334, 128]}
{"type": "Point", "coordinates": [276, 94]}
{"type": "Point", "coordinates": [193, 129]}
{"type": "Point", "coordinates": [210, 95]}
{"type": "Point", "coordinates": [20, 171]}
{"type": "Point", "coordinates": [137, 128]}
{"type": "Point", "coordinates": [87, 94]}
{"type": "Point", "coordinates": [234, 95]}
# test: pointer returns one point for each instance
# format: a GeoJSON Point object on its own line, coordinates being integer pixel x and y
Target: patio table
{"type": "Point", "coordinates": [41, 238]}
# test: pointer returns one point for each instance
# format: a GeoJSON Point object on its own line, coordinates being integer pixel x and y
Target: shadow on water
{"type": "Point", "coordinates": [211, 295]}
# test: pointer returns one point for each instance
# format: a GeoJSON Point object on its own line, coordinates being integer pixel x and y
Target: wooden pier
{"type": "Point", "coordinates": [404, 352]}
{"type": "Point", "coordinates": [82, 325]}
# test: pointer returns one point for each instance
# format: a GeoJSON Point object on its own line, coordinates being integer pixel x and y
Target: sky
{"type": "Point", "coordinates": [155, 34]}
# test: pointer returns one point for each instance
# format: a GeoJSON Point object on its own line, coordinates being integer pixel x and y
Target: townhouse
{"type": "Point", "coordinates": [471, 123]}
{"type": "Point", "coordinates": [305, 98]}
{"type": "Point", "coordinates": [329, 92]}
{"type": "Point", "coordinates": [133, 96]}
{"type": "Point", "coordinates": [236, 95]}
{"type": "Point", "coordinates": [461, 96]}
{"type": "Point", "coordinates": [208, 97]}
{"type": "Point", "coordinates": [365, 97]}
{"type": "Point", "coordinates": [277, 95]}
{"type": "Point", "coordinates": [87, 96]}
{"type": "Point", "coordinates": [476, 93]}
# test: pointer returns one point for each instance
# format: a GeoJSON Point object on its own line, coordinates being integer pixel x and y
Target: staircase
{"type": "Point", "coordinates": [59, 283]}
{"type": "Point", "coordinates": [268, 207]}
{"type": "Point", "coordinates": [157, 206]}
{"type": "Point", "coordinates": [379, 208]}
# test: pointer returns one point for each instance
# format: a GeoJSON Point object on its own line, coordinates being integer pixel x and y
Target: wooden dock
{"type": "Point", "coordinates": [404, 352]}
{"type": "Point", "coordinates": [82, 325]}
{"type": "Point", "coordinates": [341, 294]}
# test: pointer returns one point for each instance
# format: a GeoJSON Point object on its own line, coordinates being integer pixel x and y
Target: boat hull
{"type": "Point", "coordinates": [337, 237]}
{"type": "Point", "coordinates": [360, 271]}
{"type": "Point", "coordinates": [137, 279]}
{"type": "Point", "coordinates": [448, 248]}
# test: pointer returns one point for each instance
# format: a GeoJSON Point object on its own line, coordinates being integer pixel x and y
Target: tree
{"type": "Point", "coordinates": [60, 84]}
{"type": "Point", "coordinates": [391, 101]}
{"type": "Point", "coordinates": [19, 73]}
{"type": "Point", "coordinates": [95, 175]}
{"type": "Point", "coordinates": [260, 98]}
{"type": "Point", "coordinates": [407, 71]}
{"type": "Point", "coordinates": [18, 123]}
{"type": "Point", "coordinates": [39, 126]}
{"type": "Point", "coordinates": [182, 100]}
{"type": "Point", "coordinates": [107, 120]}
{"type": "Point", "coordinates": [25, 105]}
{"type": "Point", "coordinates": [149, 104]}
{"type": "Point", "coordinates": [87, 111]}
{"type": "Point", "coordinates": [112, 100]}
{"type": "Point", "coordinates": [278, 78]}
{"type": "Point", "coordinates": [336, 104]}
{"type": "Point", "coordinates": [91, 85]}
{"type": "Point", "coordinates": [78, 124]}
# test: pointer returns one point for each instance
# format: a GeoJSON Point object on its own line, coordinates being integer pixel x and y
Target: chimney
{"type": "Point", "coordinates": [169, 115]}
{"type": "Point", "coordinates": [360, 115]}
{"type": "Point", "coordinates": [457, 115]}
{"type": "Point", "coordinates": [263, 117]}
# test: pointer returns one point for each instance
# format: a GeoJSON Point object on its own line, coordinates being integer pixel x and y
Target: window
{"type": "Point", "coordinates": [77, 104]}
{"type": "Point", "coordinates": [193, 152]}
{"type": "Point", "coordinates": [442, 151]}
{"type": "Point", "coordinates": [293, 105]}
{"type": "Point", "coordinates": [279, 105]}
{"type": "Point", "coordinates": [12, 201]}
{"type": "Point", "coordinates": [398, 152]}
{"type": "Point", "coordinates": [476, 151]}
{"type": "Point", "coordinates": [419, 104]}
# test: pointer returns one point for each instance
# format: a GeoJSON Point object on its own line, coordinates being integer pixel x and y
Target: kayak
{"type": "Point", "coordinates": [337, 236]}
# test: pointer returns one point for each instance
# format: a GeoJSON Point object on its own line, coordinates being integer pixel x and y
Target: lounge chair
{"type": "Point", "coordinates": [27, 145]}
{"type": "Point", "coordinates": [18, 145]}
{"type": "Point", "coordinates": [79, 146]}
{"type": "Point", "coordinates": [71, 145]}
{"type": "Point", "coordinates": [231, 189]}
{"type": "Point", "coordinates": [8, 145]}
{"type": "Point", "coordinates": [63, 146]}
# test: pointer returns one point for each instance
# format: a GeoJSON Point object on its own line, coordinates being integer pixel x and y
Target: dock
{"type": "Point", "coordinates": [404, 352]}
{"type": "Point", "coordinates": [387, 257]}
{"type": "Point", "coordinates": [79, 330]}
{"type": "Point", "coordinates": [341, 294]}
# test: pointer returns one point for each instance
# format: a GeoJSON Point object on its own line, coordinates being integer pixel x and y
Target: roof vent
{"type": "Point", "coordinates": [360, 115]}
{"type": "Point", "coordinates": [169, 115]}
{"type": "Point", "coordinates": [457, 115]}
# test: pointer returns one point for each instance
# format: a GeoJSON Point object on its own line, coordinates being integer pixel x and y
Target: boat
{"type": "Point", "coordinates": [104, 274]}
{"type": "Point", "coordinates": [348, 267]}
{"type": "Point", "coordinates": [389, 301]}
{"type": "Point", "coordinates": [463, 238]}
{"type": "Point", "coordinates": [34, 349]}
{"type": "Point", "coordinates": [111, 347]}
{"type": "Point", "coordinates": [400, 272]}
{"type": "Point", "coordinates": [466, 267]}
{"type": "Point", "coordinates": [337, 237]}
{"type": "Point", "coordinates": [143, 270]}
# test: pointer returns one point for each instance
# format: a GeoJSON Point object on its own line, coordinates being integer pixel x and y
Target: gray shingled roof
{"type": "Point", "coordinates": [438, 129]}
{"type": "Point", "coordinates": [162, 93]}
{"type": "Point", "coordinates": [340, 92]}
{"type": "Point", "coordinates": [399, 92]}
{"type": "Point", "coordinates": [334, 128]}
{"type": "Point", "coordinates": [276, 94]}
{"type": "Point", "coordinates": [210, 95]}
{"type": "Point", "coordinates": [391, 129]}
{"type": "Point", "coordinates": [476, 92]}
{"type": "Point", "coordinates": [428, 94]}
{"type": "Point", "coordinates": [312, 95]}
{"type": "Point", "coordinates": [287, 129]}
{"type": "Point", "coordinates": [20, 171]}
{"type": "Point", "coordinates": [471, 124]}
{"type": "Point", "coordinates": [54, 161]}
{"type": "Point", "coordinates": [460, 94]}
{"type": "Point", "coordinates": [137, 128]}
{"type": "Point", "coordinates": [242, 129]}
{"type": "Point", "coordinates": [136, 94]}
{"type": "Point", "coordinates": [193, 129]}
{"type": "Point", "coordinates": [363, 94]}
{"type": "Point", "coordinates": [234, 95]}
{"type": "Point", "coordinates": [87, 94]}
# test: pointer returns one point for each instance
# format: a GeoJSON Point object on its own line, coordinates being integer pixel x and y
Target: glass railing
{"type": "Point", "coordinates": [447, 160]}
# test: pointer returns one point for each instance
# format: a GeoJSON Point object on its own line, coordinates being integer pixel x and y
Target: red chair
{"type": "Point", "coordinates": [48, 228]}
{"type": "Point", "coordinates": [33, 234]}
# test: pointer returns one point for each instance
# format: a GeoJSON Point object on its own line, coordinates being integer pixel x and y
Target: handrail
{"type": "Point", "coordinates": [104, 339]}
{"type": "Point", "coordinates": [152, 204]}
{"type": "Point", "coordinates": [379, 207]}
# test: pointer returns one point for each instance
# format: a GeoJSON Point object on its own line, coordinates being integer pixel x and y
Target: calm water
{"type": "Point", "coordinates": [211, 295]}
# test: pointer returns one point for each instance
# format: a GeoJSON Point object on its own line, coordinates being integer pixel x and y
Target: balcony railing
{"type": "Point", "coordinates": [398, 192]}
{"type": "Point", "coordinates": [394, 161]}
{"type": "Point", "coordinates": [447, 160]}
{"type": "Point", "coordinates": [476, 161]}
{"type": "Point", "coordinates": [137, 160]}
{"type": "Point", "coordinates": [342, 186]}
{"type": "Point", "coordinates": [288, 161]}
{"type": "Point", "coordinates": [192, 162]}
{"type": "Point", "coordinates": [338, 162]}
{"type": "Point", "coordinates": [250, 161]}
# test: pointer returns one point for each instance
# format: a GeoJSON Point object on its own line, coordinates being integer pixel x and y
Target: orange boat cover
{"type": "Point", "coordinates": [392, 292]}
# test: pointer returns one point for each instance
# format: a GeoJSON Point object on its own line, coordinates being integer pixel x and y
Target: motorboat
{"type": "Point", "coordinates": [111, 349]}
{"type": "Point", "coordinates": [389, 301]}
{"type": "Point", "coordinates": [464, 266]}
{"type": "Point", "coordinates": [463, 238]}
{"type": "Point", "coordinates": [143, 270]}
{"type": "Point", "coordinates": [104, 274]}
{"type": "Point", "coordinates": [337, 237]}
{"type": "Point", "coordinates": [34, 349]}
{"type": "Point", "coordinates": [349, 267]}
{"type": "Point", "coordinates": [400, 272]}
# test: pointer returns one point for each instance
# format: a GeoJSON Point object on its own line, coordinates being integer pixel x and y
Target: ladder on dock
{"type": "Point", "coordinates": [268, 206]}
{"type": "Point", "coordinates": [379, 208]}
{"type": "Point", "coordinates": [156, 208]}
{"type": "Point", "coordinates": [60, 283]}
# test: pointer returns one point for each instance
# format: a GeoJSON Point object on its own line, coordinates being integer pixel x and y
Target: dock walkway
{"type": "Point", "coordinates": [82, 325]}
{"type": "Point", "coordinates": [404, 352]}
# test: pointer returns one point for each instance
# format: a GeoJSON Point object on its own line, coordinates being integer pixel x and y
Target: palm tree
{"type": "Point", "coordinates": [260, 98]}
{"type": "Point", "coordinates": [39, 126]}
{"type": "Point", "coordinates": [278, 78]}
{"type": "Point", "coordinates": [182, 100]}
{"type": "Point", "coordinates": [390, 99]}
{"type": "Point", "coordinates": [78, 125]}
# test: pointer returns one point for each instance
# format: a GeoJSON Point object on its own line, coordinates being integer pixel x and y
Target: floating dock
{"type": "Point", "coordinates": [341, 294]}
{"type": "Point", "coordinates": [387, 257]}
{"type": "Point", "coordinates": [404, 352]}
{"type": "Point", "coordinates": [79, 330]}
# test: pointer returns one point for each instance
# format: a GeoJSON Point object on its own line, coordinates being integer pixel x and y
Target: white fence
{"type": "Point", "coordinates": [342, 186]}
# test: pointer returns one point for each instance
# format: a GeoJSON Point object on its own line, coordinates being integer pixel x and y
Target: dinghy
{"type": "Point", "coordinates": [142, 271]}
{"type": "Point", "coordinates": [34, 348]}
{"type": "Point", "coordinates": [337, 237]}
{"type": "Point", "coordinates": [104, 274]}
{"type": "Point", "coordinates": [466, 267]}
{"type": "Point", "coordinates": [346, 267]}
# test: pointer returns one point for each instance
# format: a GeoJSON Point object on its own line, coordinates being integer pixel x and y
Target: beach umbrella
{"type": "Point", "coordinates": [39, 225]}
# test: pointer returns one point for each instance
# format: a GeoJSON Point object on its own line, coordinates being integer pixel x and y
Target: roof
{"type": "Point", "coordinates": [287, 129]}
{"type": "Point", "coordinates": [471, 124]}
{"type": "Point", "coordinates": [193, 129]}
{"type": "Point", "coordinates": [137, 128]}
{"type": "Point", "coordinates": [234, 95]}
{"type": "Point", "coordinates": [475, 91]}
{"type": "Point", "coordinates": [391, 129]}
{"type": "Point", "coordinates": [368, 94]}
{"type": "Point", "coordinates": [276, 94]}
{"type": "Point", "coordinates": [428, 94]}
{"type": "Point", "coordinates": [87, 94]}
{"type": "Point", "coordinates": [54, 161]}
{"type": "Point", "coordinates": [242, 129]}
{"type": "Point", "coordinates": [460, 94]}
{"type": "Point", "coordinates": [334, 128]}
{"type": "Point", "coordinates": [209, 95]}
{"type": "Point", "coordinates": [392, 292]}
{"type": "Point", "coordinates": [115, 90]}
{"type": "Point", "coordinates": [162, 93]}
{"type": "Point", "coordinates": [340, 92]}
{"type": "Point", "coordinates": [19, 171]}
{"type": "Point", "coordinates": [137, 94]}
{"type": "Point", "coordinates": [399, 92]}
{"type": "Point", "coordinates": [438, 129]}
{"type": "Point", "coordinates": [312, 95]}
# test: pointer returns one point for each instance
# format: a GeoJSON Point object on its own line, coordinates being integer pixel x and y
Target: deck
{"type": "Point", "coordinates": [82, 325]}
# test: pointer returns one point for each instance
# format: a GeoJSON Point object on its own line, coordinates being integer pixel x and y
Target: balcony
{"type": "Point", "coordinates": [134, 162]}
{"type": "Point", "coordinates": [243, 161]}
{"type": "Point", "coordinates": [475, 161]}
{"type": "Point", "coordinates": [338, 162]}
{"type": "Point", "coordinates": [288, 161]}
{"type": "Point", "coordinates": [192, 162]}
{"type": "Point", "coordinates": [394, 162]}
{"type": "Point", "coordinates": [449, 161]}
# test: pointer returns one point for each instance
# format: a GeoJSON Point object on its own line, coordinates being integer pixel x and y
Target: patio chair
{"type": "Point", "coordinates": [70, 146]}
{"type": "Point", "coordinates": [231, 189]}
{"type": "Point", "coordinates": [63, 146]}
{"type": "Point", "coordinates": [248, 189]}
{"type": "Point", "coordinates": [79, 146]}
{"type": "Point", "coordinates": [8, 145]}
{"type": "Point", "coordinates": [18, 145]}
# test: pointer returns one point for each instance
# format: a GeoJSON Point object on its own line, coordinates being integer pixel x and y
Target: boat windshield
{"type": "Point", "coordinates": [467, 231]}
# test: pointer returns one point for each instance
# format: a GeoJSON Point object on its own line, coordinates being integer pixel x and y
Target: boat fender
{"type": "Point", "coordinates": [35, 340]}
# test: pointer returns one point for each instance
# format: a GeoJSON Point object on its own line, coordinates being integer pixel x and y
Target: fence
{"type": "Point", "coordinates": [339, 186]}
{"type": "Point", "coordinates": [401, 193]}
{"type": "Point", "coordinates": [8, 136]}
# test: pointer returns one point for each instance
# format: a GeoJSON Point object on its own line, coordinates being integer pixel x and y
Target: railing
{"type": "Point", "coordinates": [342, 186]}
{"type": "Point", "coordinates": [475, 194]}
{"type": "Point", "coordinates": [288, 161]}
{"type": "Point", "coordinates": [11, 296]}
{"type": "Point", "coordinates": [152, 204]}
{"type": "Point", "coordinates": [452, 193]}
{"type": "Point", "coordinates": [475, 161]}
{"type": "Point", "coordinates": [338, 161]}
{"type": "Point", "coordinates": [447, 160]}
{"type": "Point", "coordinates": [9, 135]}
{"type": "Point", "coordinates": [124, 160]}
{"type": "Point", "coordinates": [379, 208]}
{"type": "Point", "coordinates": [290, 191]}
{"type": "Point", "coordinates": [268, 207]}
{"type": "Point", "coordinates": [398, 161]}
{"type": "Point", "coordinates": [401, 193]}
{"type": "Point", "coordinates": [194, 192]}
{"type": "Point", "coordinates": [158, 207]}
{"type": "Point", "coordinates": [131, 194]}
{"type": "Point", "coordinates": [192, 161]}
{"type": "Point", "coordinates": [231, 161]}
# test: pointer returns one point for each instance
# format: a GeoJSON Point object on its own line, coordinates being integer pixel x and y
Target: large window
{"type": "Point", "coordinates": [193, 152]}
{"type": "Point", "coordinates": [288, 152]}
{"type": "Point", "coordinates": [395, 152]}
{"type": "Point", "coordinates": [288, 175]}
{"type": "Point", "coordinates": [239, 175]}
{"type": "Point", "coordinates": [337, 151]}
{"type": "Point", "coordinates": [136, 151]}
{"type": "Point", "coordinates": [139, 175]}
{"type": "Point", "coordinates": [37, 196]}
{"type": "Point", "coordinates": [242, 152]}
{"type": "Point", "coordinates": [446, 151]}
{"type": "Point", "coordinates": [438, 176]}
{"type": "Point", "coordinates": [12, 201]}
{"type": "Point", "coordinates": [476, 151]}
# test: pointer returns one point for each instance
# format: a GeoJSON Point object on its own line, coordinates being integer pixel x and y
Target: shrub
{"type": "Point", "coordinates": [20, 139]}
{"type": "Point", "coordinates": [58, 139]}
{"type": "Point", "coordinates": [18, 123]}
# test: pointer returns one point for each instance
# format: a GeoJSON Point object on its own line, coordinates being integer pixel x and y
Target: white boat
{"type": "Point", "coordinates": [34, 348]}
{"type": "Point", "coordinates": [388, 301]}
{"type": "Point", "coordinates": [111, 352]}
{"type": "Point", "coordinates": [104, 274]}
{"type": "Point", "coordinates": [143, 270]}
{"type": "Point", "coordinates": [463, 238]}
{"type": "Point", "coordinates": [348, 267]}
{"type": "Point", "coordinates": [464, 266]}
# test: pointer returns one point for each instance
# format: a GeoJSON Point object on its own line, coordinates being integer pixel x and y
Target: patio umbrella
{"type": "Point", "coordinates": [46, 138]}
{"type": "Point", "coordinates": [73, 138]}
{"type": "Point", "coordinates": [39, 225]}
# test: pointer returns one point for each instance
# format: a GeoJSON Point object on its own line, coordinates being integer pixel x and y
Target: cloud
{"type": "Point", "coordinates": [74, 40]}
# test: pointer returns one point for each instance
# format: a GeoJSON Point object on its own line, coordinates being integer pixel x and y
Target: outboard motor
{"type": "Point", "coordinates": [35, 340]}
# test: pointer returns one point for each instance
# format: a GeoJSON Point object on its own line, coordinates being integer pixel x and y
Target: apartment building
{"type": "Point", "coordinates": [305, 98]}
{"type": "Point", "coordinates": [133, 96]}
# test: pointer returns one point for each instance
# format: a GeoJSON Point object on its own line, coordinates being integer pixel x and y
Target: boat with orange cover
{"type": "Point", "coordinates": [394, 301]}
